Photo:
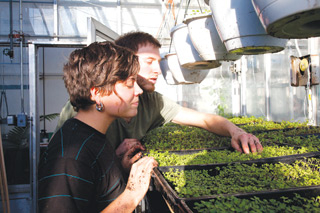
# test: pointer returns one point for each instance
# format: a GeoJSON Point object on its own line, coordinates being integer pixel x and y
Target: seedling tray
{"type": "Point", "coordinates": [305, 135]}
{"type": "Point", "coordinates": [188, 204]}
{"type": "Point", "coordinates": [248, 123]}
{"type": "Point", "coordinates": [221, 155]}
{"type": "Point", "coordinates": [284, 130]}
{"type": "Point", "coordinates": [304, 130]}
{"type": "Point", "coordinates": [192, 151]}
{"type": "Point", "coordinates": [175, 202]}
{"type": "Point", "coordinates": [302, 140]}
{"type": "Point", "coordinates": [270, 130]}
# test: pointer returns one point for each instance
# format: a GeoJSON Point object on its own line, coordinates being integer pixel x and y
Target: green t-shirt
{"type": "Point", "coordinates": [154, 110]}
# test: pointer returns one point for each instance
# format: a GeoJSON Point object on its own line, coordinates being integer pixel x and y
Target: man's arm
{"type": "Point", "coordinates": [240, 140]}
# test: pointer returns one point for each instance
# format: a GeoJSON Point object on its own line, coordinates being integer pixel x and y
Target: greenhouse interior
{"type": "Point", "coordinates": [253, 62]}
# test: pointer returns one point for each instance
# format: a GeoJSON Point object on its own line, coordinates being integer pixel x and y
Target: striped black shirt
{"type": "Point", "coordinates": [79, 172]}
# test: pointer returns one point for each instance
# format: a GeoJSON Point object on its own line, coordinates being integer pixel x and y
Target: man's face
{"type": "Point", "coordinates": [149, 59]}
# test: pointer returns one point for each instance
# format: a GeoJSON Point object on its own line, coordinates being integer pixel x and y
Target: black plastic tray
{"type": "Point", "coordinates": [307, 129]}
{"type": "Point", "coordinates": [284, 130]}
{"type": "Point", "coordinates": [160, 184]}
{"type": "Point", "coordinates": [187, 205]}
{"type": "Point", "coordinates": [271, 130]}
{"type": "Point", "coordinates": [305, 135]}
{"type": "Point", "coordinates": [193, 151]}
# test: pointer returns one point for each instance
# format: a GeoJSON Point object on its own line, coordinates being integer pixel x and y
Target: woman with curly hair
{"type": "Point", "coordinates": [80, 172]}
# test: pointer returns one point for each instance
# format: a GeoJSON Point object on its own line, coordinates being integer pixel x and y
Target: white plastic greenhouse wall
{"type": "Point", "coordinates": [259, 87]}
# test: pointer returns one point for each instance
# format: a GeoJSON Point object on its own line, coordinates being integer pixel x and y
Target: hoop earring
{"type": "Point", "coordinates": [99, 106]}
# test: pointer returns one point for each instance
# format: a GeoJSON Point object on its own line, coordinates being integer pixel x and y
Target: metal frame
{"type": "Point", "coordinates": [267, 59]}
{"type": "Point", "coordinates": [34, 125]}
{"type": "Point", "coordinates": [34, 117]}
{"type": "Point", "coordinates": [95, 29]}
{"type": "Point", "coordinates": [243, 100]}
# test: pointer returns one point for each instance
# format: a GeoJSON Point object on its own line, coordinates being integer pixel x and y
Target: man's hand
{"type": "Point", "coordinates": [127, 144]}
{"type": "Point", "coordinates": [129, 152]}
{"type": "Point", "coordinates": [130, 157]}
{"type": "Point", "coordinates": [245, 142]}
{"type": "Point", "coordinates": [240, 140]}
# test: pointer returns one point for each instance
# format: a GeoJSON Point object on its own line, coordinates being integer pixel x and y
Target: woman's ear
{"type": "Point", "coordinates": [95, 94]}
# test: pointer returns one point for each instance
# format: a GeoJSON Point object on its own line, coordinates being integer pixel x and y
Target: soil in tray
{"type": "Point", "coordinates": [295, 203]}
{"type": "Point", "coordinates": [223, 155]}
{"type": "Point", "coordinates": [242, 178]}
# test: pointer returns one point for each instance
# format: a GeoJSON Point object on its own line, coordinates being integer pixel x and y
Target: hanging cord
{"type": "Point", "coordinates": [175, 23]}
{"type": "Point", "coordinates": [186, 10]}
{"type": "Point", "coordinates": [165, 18]}
{"type": "Point", "coordinates": [199, 6]}
{"type": "Point", "coordinates": [184, 16]}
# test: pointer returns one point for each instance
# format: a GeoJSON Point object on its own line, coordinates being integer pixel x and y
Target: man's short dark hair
{"type": "Point", "coordinates": [134, 40]}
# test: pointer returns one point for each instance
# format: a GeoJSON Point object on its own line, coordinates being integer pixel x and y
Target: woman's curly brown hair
{"type": "Point", "coordinates": [99, 65]}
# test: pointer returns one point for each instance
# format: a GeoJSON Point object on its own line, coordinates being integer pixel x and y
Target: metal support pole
{"type": "Point", "coordinates": [313, 45]}
{"type": "Point", "coordinates": [267, 67]}
{"type": "Point", "coordinates": [243, 101]}
{"type": "Point", "coordinates": [11, 30]}
{"type": "Point", "coordinates": [34, 125]}
{"type": "Point", "coordinates": [236, 89]}
{"type": "Point", "coordinates": [311, 120]}
{"type": "Point", "coordinates": [55, 20]}
{"type": "Point", "coordinates": [21, 58]}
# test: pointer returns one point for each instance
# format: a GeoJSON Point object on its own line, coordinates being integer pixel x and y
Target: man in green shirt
{"type": "Point", "coordinates": [155, 110]}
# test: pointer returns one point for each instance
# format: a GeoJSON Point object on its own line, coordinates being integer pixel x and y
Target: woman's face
{"type": "Point", "coordinates": [124, 101]}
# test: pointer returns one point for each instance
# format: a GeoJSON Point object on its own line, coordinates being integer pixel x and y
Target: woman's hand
{"type": "Point", "coordinates": [139, 178]}
{"type": "Point", "coordinates": [137, 186]}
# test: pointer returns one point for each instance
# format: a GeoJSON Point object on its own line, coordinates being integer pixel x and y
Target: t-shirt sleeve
{"type": "Point", "coordinates": [66, 113]}
{"type": "Point", "coordinates": [170, 108]}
